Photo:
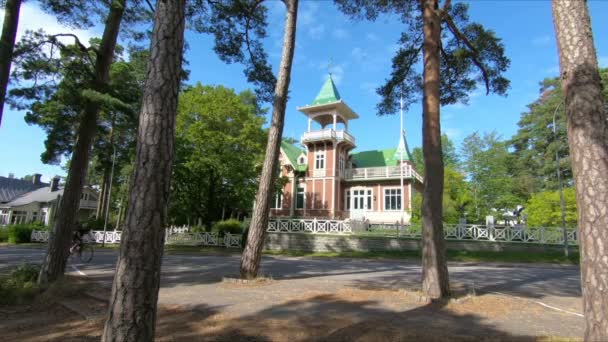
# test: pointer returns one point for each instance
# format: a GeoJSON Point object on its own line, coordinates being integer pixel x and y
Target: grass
{"type": "Point", "coordinates": [19, 286]}
{"type": "Point", "coordinates": [459, 256]}
{"type": "Point", "coordinates": [550, 257]}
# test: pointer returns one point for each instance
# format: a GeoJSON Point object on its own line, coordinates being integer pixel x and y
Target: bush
{"type": "Point", "coordinates": [231, 226]}
{"type": "Point", "coordinates": [20, 286]}
{"type": "Point", "coordinates": [93, 223]}
{"type": "Point", "coordinates": [3, 234]}
{"type": "Point", "coordinates": [199, 229]}
{"type": "Point", "coordinates": [22, 233]}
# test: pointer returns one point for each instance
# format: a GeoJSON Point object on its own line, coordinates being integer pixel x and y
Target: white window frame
{"type": "Point", "coordinates": [341, 164]}
{"type": "Point", "coordinates": [277, 200]}
{"type": "Point", "coordinates": [320, 159]}
{"type": "Point", "coordinates": [396, 196]}
{"type": "Point", "coordinates": [303, 187]}
{"type": "Point", "coordinates": [347, 200]}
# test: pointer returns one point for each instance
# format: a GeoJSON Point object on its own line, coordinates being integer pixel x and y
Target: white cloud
{"type": "Point", "coordinates": [370, 88]}
{"type": "Point", "coordinates": [340, 33]}
{"type": "Point", "coordinates": [33, 18]}
{"type": "Point", "coordinates": [316, 31]}
{"type": "Point", "coordinates": [543, 40]}
{"type": "Point", "coordinates": [554, 70]}
{"type": "Point", "coordinates": [336, 70]}
{"type": "Point", "coordinates": [371, 37]}
{"type": "Point", "coordinates": [308, 13]}
{"type": "Point", "coordinates": [358, 54]}
{"type": "Point", "coordinates": [452, 132]}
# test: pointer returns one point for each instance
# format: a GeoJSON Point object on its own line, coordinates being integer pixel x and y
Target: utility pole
{"type": "Point", "coordinates": [105, 221]}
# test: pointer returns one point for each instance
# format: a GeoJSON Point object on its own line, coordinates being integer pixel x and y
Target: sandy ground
{"type": "Point", "coordinates": [75, 311]}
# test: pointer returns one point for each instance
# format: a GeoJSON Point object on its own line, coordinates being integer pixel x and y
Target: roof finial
{"type": "Point", "coordinates": [329, 66]}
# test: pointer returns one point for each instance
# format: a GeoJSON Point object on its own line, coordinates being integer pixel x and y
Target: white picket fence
{"type": "Point", "coordinates": [468, 232]}
{"type": "Point", "coordinates": [313, 226]}
{"type": "Point", "coordinates": [173, 236]}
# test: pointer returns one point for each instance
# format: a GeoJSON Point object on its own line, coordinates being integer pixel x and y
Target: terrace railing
{"type": "Point", "coordinates": [173, 236]}
{"type": "Point", "coordinates": [468, 232]}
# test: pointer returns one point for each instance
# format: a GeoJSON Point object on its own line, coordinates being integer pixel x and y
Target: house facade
{"type": "Point", "coordinates": [324, 178]}
{"type": "Point", "coordinates": [22, 203]}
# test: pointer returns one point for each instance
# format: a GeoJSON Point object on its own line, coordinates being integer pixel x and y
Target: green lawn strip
{"type": "Point", "coordinates": [460, 256]}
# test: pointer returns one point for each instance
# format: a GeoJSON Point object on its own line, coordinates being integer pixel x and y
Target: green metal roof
{"type": "Point", "coordinates": [292, 152]}
{"type": "Point", "coordinates": [375, 158]}
{"type": "Point", "coordinates": [328, 94]}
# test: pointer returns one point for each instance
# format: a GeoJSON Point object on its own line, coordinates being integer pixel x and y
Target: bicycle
{"type": "Point", "coordinates": [84, 250]}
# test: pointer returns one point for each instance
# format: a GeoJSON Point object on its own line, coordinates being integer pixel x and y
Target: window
{"type": "Point", "coordinates": [341, 164]}
{"type": "Point", "coordinates": [392, 199]}
{"type": "Point", "coordinates": [35, 216]}
{"type": "Point", "coordinates": [277, 201]}
{"type": "Point", "coordinates": [302, 160]}
{"type": "Point", "coordinates": [18, 217]}
{"type": "Point", "coordinates": [300, 197]}
{"type": "Point", "coordinates": [320, 160]}
{"type": "Point", "coordinates": [369, 200]}
{"type": "Point", "coordinates": [347, 199]}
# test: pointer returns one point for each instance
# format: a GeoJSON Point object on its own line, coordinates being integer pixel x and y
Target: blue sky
{"type": "Point", "coordinates": [360, 53]}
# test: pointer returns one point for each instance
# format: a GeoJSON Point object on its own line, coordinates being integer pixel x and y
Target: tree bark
{"type": "Point", "coordinates": [7, 44]}
{"type": "Point", "coordinates": [588, 140]}
{"type": "Point", "coordinates": [435, 280]}
{"type": "Point", "coordinates": [250, 261]}
{"type": "Point", "coordinates": [132, 311]}
{"type": "Point", "coordinates": [54, 262]}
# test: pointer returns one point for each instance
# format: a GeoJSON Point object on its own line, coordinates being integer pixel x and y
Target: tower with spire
{"type": "Point", "coordinates": [327, 179]}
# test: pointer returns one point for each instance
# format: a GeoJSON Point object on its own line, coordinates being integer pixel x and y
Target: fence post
{"type": "Point", "coordinates": [314, 225]}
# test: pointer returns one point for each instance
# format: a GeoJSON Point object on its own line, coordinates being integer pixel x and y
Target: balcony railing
{"type": "Point", "coordinates": [88, 204]}
{"type": "Point", "coordinates": [386, 172]}
{"type": "Point", "coordinates": [325, 134]}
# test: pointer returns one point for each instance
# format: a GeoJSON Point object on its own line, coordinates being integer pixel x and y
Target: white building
{"type": "Point", "coordinates": [25, 202]}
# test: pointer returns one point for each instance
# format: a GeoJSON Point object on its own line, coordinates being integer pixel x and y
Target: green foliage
{"type": "Point", "coordinates": [461, 62]}
{"type": "Point", "coordinates": [20, 286]}
{"type": "Point", "coordinates": [219, 148]}
{"type": "Point", "coordinates": [3, 234]}
{"type": "Point", "coordinates": [94, 223]}
{"type": "Point", "coordinates": [544, 209]}
{"type": "Point", "coordinates": [489, 168]}
{"type": "Point", "coordinates": [231, 226]}
{"type": "Point", "coordinates": [22, 233]}
{"type": "Point", "coordinates": [535, 145]}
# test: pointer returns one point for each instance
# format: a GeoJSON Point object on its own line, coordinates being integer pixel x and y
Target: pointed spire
{"type": "Point", "coordinates": [328, 93]}
{"type": "Point", "coordinates": [402, 153]}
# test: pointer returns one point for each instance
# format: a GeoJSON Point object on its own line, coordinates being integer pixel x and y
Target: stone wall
{"type": "Point", "coordinates": [343, 243]}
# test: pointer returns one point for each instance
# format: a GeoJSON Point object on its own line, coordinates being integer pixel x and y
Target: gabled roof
{"type": "Point", "coordinates": [42, 195]}
{"type": "Point", "coordinates": [328, 93]}
{"type": "Point", "coordinates": [11, 188]}
{"type": "Point", "coordinates": [374, 158]}
{"type": "Point", "coordinates": [292, 152]}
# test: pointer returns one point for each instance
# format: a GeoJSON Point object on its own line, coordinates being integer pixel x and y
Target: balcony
{"type": "Point", "coordinates": [328, 134]}
{"type": "Point", "coordinates": [88, 204]}
{"type": "Point", "coordinates": [386, 172]}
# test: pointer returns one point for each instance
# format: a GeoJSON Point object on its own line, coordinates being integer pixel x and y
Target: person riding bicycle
{"type": "Point", "coordinates": [77, 238]}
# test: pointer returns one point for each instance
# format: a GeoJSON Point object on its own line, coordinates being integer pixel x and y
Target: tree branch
{"type": "Point", "coordinates": [247, 40]}
{"type": "Point", "coordinates": [150, 5]}
{"type": "Point", "coordinates": [445, 8]}
{"type": "Point", "coordinates": [474, 52]}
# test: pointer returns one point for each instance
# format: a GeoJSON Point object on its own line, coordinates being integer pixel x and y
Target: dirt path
{"type": "Point", "coordinates": [346, 314]}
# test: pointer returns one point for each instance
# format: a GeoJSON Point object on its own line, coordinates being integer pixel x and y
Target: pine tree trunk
{"type": "Point", "coordinates": [7, 44]}
{"type": "Point", "coordinates": [252, 254]}
{"type": "Point", "coordinates": [435, 280]}
{"type": "Point", "coordinates": [54, 262]}
{"type": "Point", "coordinates": [132, 312]}
{"type": "Point", "coordinates": [588, 140]}
{"type": "Point", "coordinates": [102, 194]}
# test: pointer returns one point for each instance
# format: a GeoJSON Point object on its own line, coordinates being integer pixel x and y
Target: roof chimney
{"type": "Point", "coordinates": [11, 175]}
{"type": "Point", "coordinates": [55, 184]}
{"type": "Point", "coordinates": [36, 178]}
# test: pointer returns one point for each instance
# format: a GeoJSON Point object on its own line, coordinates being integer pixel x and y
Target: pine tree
{"type": "Point", "coordinates": [453, 65]}
{"type": "Point", "coordinates": [588, 138]}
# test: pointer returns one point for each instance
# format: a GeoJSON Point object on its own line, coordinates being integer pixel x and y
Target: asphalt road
{"type": "Point", "coordinates": [193, 279]}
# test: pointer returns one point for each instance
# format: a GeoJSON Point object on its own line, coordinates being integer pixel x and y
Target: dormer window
{"type": "Point", "coordinates": [320, 160]}
{"type": "Point", "coordinates": [302, 160]}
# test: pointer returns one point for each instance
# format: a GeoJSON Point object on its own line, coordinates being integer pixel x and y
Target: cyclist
{"type": "Point", "coordinates": [77, 238]}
